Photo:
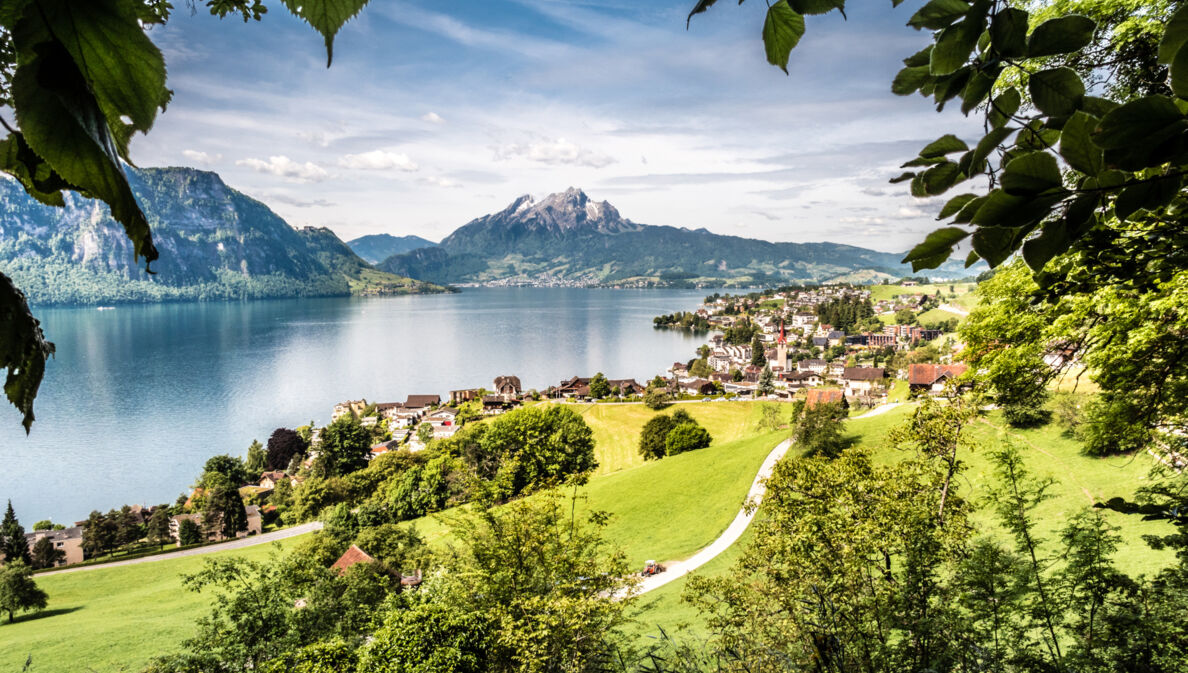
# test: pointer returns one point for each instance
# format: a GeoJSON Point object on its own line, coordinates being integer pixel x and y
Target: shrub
{"type": "Point", "coordinates": [688, 436]}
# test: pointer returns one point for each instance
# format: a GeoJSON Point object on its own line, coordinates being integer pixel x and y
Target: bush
{"type": "Point", "coordinates": [687, 436]}
{"type": "Point", "coordinates": [656, 398]}
{"type": "Point", "coordinates": [1026, 415]}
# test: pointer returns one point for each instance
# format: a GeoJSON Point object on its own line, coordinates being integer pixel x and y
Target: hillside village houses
{"type": "Point", "coordinates": [255, 525]}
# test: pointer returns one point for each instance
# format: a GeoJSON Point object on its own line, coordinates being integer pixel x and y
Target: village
{"type": "Point", "coordinates": [825, 345]}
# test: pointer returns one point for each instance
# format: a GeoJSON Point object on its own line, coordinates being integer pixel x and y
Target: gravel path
{"type": "Point", "coordinates": [199, 551]}
{"type": "Point", "coordinates": [742, 520]}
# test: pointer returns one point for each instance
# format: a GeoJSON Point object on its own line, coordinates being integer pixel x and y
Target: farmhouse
{"type": "Point", "coordinates": [932, 378]}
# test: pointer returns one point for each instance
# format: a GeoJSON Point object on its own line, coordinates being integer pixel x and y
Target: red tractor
{"type": "Point", "coordinates": [652, 568]}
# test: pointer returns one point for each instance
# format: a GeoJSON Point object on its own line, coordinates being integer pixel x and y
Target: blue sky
{"type": "Point", "coordinates": [435, 113]}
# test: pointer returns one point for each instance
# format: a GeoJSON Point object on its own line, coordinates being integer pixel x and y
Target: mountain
{"type": "Point", "coordinates": [215, 243]}
{"type": "Point", "coordinates": [375, 248]}
{"type": "Point", "coordinates": [568, 238]}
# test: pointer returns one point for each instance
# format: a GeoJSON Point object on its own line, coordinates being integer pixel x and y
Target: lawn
{"type": "Point", "coordinates": [111, 619]}
{"type": "Point", "coordinates": [936, 315]}
{"type": "Point", "coordinates": [880, 292]}
{"type": "Point", "coordinates": [1079, 480]}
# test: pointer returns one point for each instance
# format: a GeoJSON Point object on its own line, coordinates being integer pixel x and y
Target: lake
{"type": "Point", "coordinates": [139, 396]}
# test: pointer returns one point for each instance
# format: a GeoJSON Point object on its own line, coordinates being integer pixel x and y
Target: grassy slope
{"type": "Point", "coordinates": [878, 292]}
{"type": "Point", "coordinates": [1079, 480]}
{"type": "Point", "coordinates": [120, 617]}
{"type": "Point", "coordinates": [110, 619]}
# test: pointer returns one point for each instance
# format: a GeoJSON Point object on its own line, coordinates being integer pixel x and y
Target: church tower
{"type": "Point", "coordinates": [782, 349]}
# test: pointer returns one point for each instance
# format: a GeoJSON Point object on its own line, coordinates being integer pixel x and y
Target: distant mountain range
{"type": "Point", "coordinates": [375, 248]}
{"type": "Point", "coordinates": [567, 238]}
{"type": "Point", "coordinates": [215, 243]}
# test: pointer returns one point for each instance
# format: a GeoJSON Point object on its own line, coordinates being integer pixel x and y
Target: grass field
{"type": "Point", "coordinates": [111, 619]}
{"type": "Point", "coordinates": [880, 292]}
{"type": "Point", "coordinates": [1080, 480]}
{"type": "Point", "coordinates": [935, 315]}
{"type": "Point", "coordinates": [120, 617]}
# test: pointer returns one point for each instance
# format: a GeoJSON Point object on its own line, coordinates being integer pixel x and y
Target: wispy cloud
{"type": "Point", "coordinates": [559, 151]}
{"type": "Point", "coordinates": [284, 167]}
{"type": "Point", "coordinates": [202, 158]}
{"type": "Point", "coordinates": [378, 160]}
{"type": "Point", "coordinates": [432, 118]}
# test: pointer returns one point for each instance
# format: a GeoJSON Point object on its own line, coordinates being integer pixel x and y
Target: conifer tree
{"type": "Point", "coordinates": [13, 533]}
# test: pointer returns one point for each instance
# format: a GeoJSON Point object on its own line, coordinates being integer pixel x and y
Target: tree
{"type": "Point", "coordinates": [283, 445]}
{"type": "Point", "coordinates": [44, 524]}
{"type": "Point", "coordinates": [12, 534]}
{"type": "Point", "coordinates": [45, 555]}
{"type": "Point", "coordinates": [905, 316]}
{"type": "Point", "coordinates": [700, 369]}
{"type": "Point", "coordinates": [817, 430]}
{"type": "Point", "coordinates": [18, 591]}
{"type": "Point", "coordinates": [653, 435]}
{"type": "Point", "coordinates": [157, 529]}
{"type": "Point", "coordinates": [188, 532]}
{"type": "Point", "coordinates": [599, 387]}
{"type": "Point", "coordinates": [425, 433]}
{"type": "Point", "coordinates": [687, 436]}
{"type": "Point", "coordinates": [766, 381]}
{"type": "Point", "coordinates": [254, 463]}
{"type": "Point", "coordinates": [758, 358]}
{"type": "Point", "coordinates": [127, 530]}
{"type": "Point", "coordinates": [535, 447]}
{"type": "Point", "coordinates": [99, 535]}
{"type": "Point", "coordinates": [736, 375]}
{"type": "Point", "coordinates": [769, 417]}
{"type": "Point", "coordinates": [229, 467]}
{"type": "Point", "coordinates": [224, 512]}
{"type": "Point", "coordinates": [655, 398]}
{"type": "Point", "coordinates": [346, 444]}
{"type": "Point", "coordinates": [430, 637]}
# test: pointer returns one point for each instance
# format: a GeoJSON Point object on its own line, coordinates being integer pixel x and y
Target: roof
{"type": "Point", "coordinates": [818, 396]}
{"type": "Point", "coordinates": [71, 533]}
{"type": "Point", "coordinates": [351, 557]}
{"type": "Point", "coordinates": [926, 375]}
{"type": "Point", "coordinates": [274, 475]}
{"type": "Point", "coordinates": [252, 510]}
{"type": "Point", "coordinates": [422, 400]}
{"type": "Point", "coordinates": [812, 363]}
{"type": "Point", "coordinates": [863, 373]}
{"type": "Point", "coordinates": [510, 380]}
{"type": "Point", "coordinates": [835, 334]}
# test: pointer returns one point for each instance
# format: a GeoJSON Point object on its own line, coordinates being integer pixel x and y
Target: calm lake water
{"type": "Point", "coordinates": [139, 396]}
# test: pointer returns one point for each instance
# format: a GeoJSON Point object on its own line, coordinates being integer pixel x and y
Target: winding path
{"type": "Point", "coordinates": [240, 543]}
{"type": "Point", "coordinates": [742, 520]}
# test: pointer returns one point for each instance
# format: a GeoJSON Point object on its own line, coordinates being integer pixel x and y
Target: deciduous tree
{"type": "Point", "coordinates": [18, 591]}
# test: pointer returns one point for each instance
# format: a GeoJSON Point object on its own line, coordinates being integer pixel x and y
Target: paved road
{"type": "Point", "coordinates": [742, 520]}
{"type": "Point", "coordinates": [199, 551]}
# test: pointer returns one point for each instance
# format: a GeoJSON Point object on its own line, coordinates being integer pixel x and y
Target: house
{"type": "Point", "coordinates": [271, 479]}
{"type": "Point", "coordinates": [67, 540]}
{"type": "Point", "coordinates": [803, 379]}
{"type": "Point", "coordinates": [815, 366]}
{"type": "Point", "coordinates": [698, 387]}
{"type": "Point", "coordinates": [835, 337]}
{"type": "Point", "coordinates": [497, 404]}
{"type": "Point", "coordinates": [460, 396]}
{"type": "Point", "coordinates": [384, 447]}
{"type": "Point", "coordinates": [820, 341]}
{"type": "Point", "coordinates": [349, 407]}
{"type": "Point", "coordinates": [933, 378]}
{"type": "Point", "coordinates": [627, 386]}
{"type": "Point", "coordinates": [862, 379]}
{"type": "Point", "coordinates": [874, 340]}
{"type": "Point", "coordinates": [508, 386]}
{"type": "Point", "coordinates": [920, 334]}
{"type": "Point", "coordinates": [422, 401]}
{"type": "Point", "coordinates": [573, 387]}
{"type": "Point", "coordinates": [678, 370]}
{"type": "Point", "coordinates": [352, 556]}
{"type": "Point", "coordinates": [255, 525]}
{"type": "Point", "coordinates": [818, 396]}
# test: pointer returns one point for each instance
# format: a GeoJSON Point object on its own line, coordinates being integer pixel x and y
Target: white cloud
{"type": "Point", "coordinates": [285, 167]}
{"type": "Point", "coordinates": [432, 118]}
{"type": "Point", "coordinates": [378, 160]}
{"type": "Point", "coordinates": [202, 158]}
{"type": "Point", "coordinates": [554, 152]}
{"type": "Point", "coordinates": [437, 181]}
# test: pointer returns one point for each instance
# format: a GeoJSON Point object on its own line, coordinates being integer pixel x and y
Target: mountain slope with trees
{"type": "Point", "coordinates": [375, 248]}
{"type": "Point", "coordinates": [570, 236]}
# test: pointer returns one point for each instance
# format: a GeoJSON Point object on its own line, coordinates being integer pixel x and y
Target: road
{"type": "Point", "coordinates": [252, 541]}
{"type": "Point", "coordinates": [742, 520]}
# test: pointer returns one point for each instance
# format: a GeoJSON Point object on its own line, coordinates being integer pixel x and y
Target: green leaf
{"type": "Point", "coordinates": [938, 14]}
{"type": "Point", "coordinates": [972, 258]}
{"type": "Point", "coordinates": [1179, 73]}
{"type": "Point", "coordinates": [1076, 146]}
{"type": "Point", "coordinates": [955, 204]}
{"type": "Point", "coordinates": [1174, 36]}
{"type": "Point", "coordinates": [1062, 35]}
{"type": "Point", "coordinates": [922, 57]}
{"type": "Point", "coordinates": [909, 80]}
{"type": "Point", "coordinates": [999, 209]}
{"type": "Point", "coordinates": [1053, 240]}
{"type": "Point", "coordinates": [1148, 195]}
{"type": "Point", "coordinates": [813, 7]}
{"type": "Point", "coordinates": [1151, 119]}
{"type": "Point", "coordinates": [35, 175]}
{"type": "Point", "coordinates": [23, 350]}
{"type": "Point", "coordinates": [949, 86]}
{"type": "Point", "coordinates": [1057, 92]}
{"type": "Point", "coordinates": [937, 247]}
{"type": "Point", "coordinates": [1079, 213]}
{"type": "Point", "coordinates": [903, 177]}
{"type": "Point", "coordinates": [938, 179]}
{"type": "Point", "coordinates": [1036, 136]}
{"type": "Point", "coordinates": [1098, 107]}
{"type": "Point", "coordinates": [994, 244]}
{"type": "Point", "coordinates": [123, 68]}
{"type": "Point", "coordinates": [328, 16]}
{"type": "Point", "coordinates": [985, 146]}
{"type": "Point", "coordinates": [946, 144]}
{"type": "Point", "coordinates": [922, 161]}
{"type": "Point", "coordinates": [782, 29]}
{"type": "Point", "coordinates": [978, 88]}
{"type": "Point", "coordinates": [1004, 106]}
{"type": "Point", "coordinates": [1031, 173]}
{"type": "Point", "coordinates": [953, 47]}
{"type": "Point", "coordinates": [63, 124]}
{"type": "Point", "coordinates": [1008, 33]}
{"type": "Point", "coordinates": [966, 214]}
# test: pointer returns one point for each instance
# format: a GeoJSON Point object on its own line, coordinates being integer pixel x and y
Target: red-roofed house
{"type": "Point", "coordinates": [933, 378]}
{"type": "Point", "coordinates": [817, 397]}
{"type": "Point", "coordinates": [349, 558]}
